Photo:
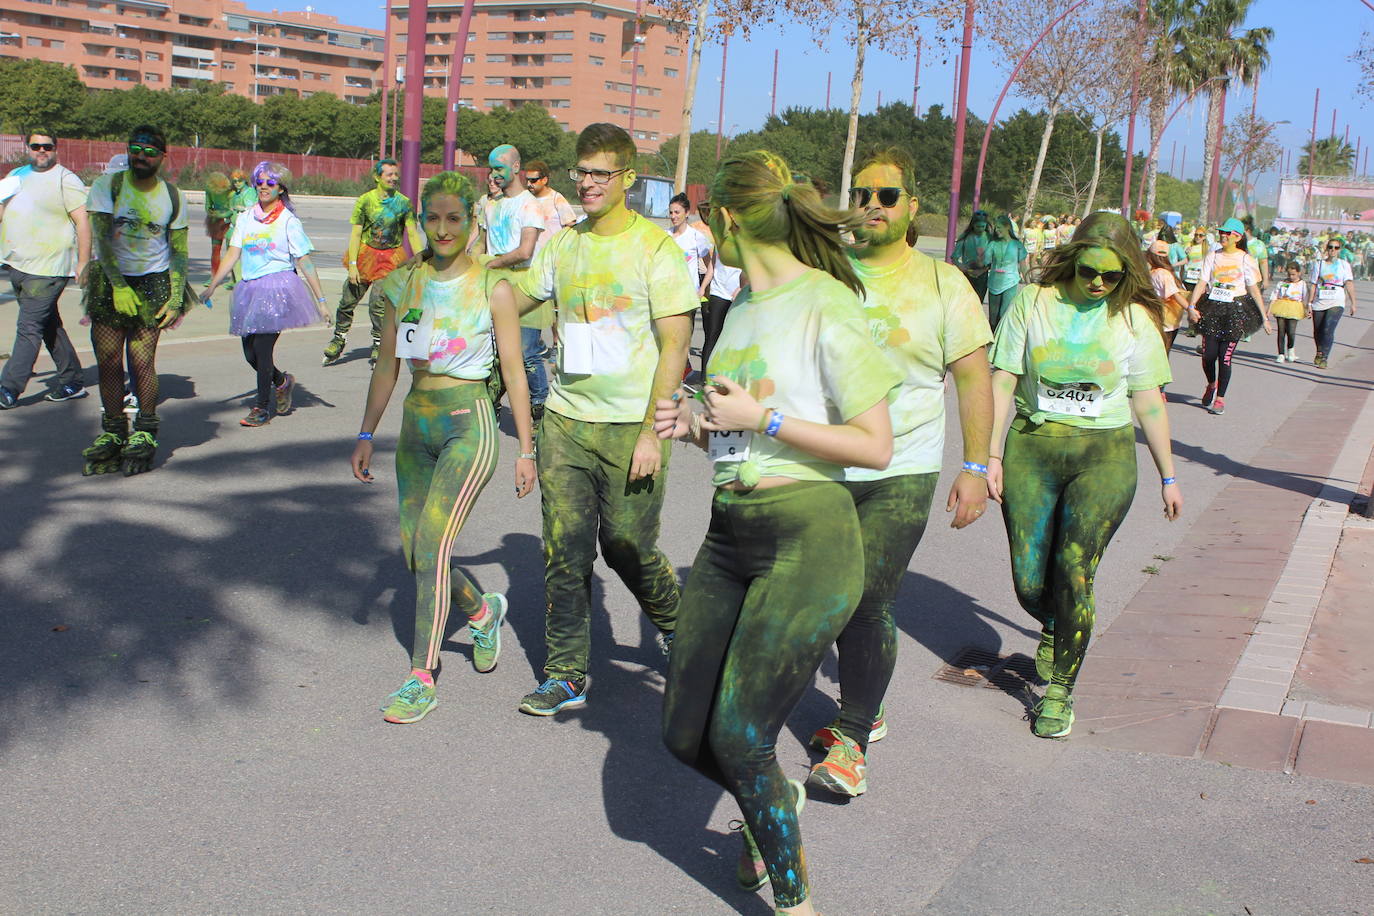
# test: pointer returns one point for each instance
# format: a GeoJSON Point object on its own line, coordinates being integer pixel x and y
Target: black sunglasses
{"type": "Point", "coordinates": [45, 147]}
{"type": "Point", "coordinates": [887, 197]}
{"type": "Point", "coordinates": [1333, 247]}
{"type": "Point", "coordinates": [1109, 277]}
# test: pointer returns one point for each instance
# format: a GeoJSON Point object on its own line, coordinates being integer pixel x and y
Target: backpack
{"type": "Point", "coordinates": [117, 185]}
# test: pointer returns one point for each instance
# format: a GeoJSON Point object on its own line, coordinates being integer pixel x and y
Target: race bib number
{"type": "Point", "coordinates": [1222, 292]}
{"type": "Point", "coordinates": [412, 336]}
{"type": "Point", "coordinates": [1331, 295]}
{"type": "Point", "coordinates": [575, 349]}
{"type": "Point", "coordinates": [1076, 399]}
{"type": "Point", "coordinates": [1191, 274]}
{"type": "Point", "coordinates": [728, 446]}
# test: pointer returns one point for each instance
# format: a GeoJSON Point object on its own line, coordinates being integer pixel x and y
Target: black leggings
{"type": "Point", "coordinates": [712, 320]}
{"type": "Point", "coordinates": [1288, 334]}
{"type": "Point", "coordinates": [1216, 362]}
{"type": "Point", "coordinates": [257, 349]}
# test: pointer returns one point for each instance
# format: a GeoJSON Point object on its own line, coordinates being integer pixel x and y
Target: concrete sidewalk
{"type": "Point", "coordinates": [1251, 646]}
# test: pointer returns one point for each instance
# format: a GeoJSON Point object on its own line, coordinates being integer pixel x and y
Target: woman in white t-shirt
{"type": "Point", "coordinates": [1332, 284]}
{"type": "Point", "coordinates": [696, 248]}
{"type": "Point", "coordinates": [273, 246]}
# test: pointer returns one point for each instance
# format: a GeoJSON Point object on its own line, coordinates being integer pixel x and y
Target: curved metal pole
{"type": "Point", "coordinates": [1135, 110]}
{"type": "Point", "coordinates": [1154, 147]}
{"type": "Point", "coordinates": [992, 119]}
{"type": "Point", "coordinates": [960, 120]}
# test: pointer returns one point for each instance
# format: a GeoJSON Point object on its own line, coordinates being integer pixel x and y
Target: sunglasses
{"type": "Point", "coordinates": [1109, 277]}
{"type": "Point", "coordinates": [44, 147]}
{"type": "Point", "coordinates": [533, 178]}
{"type": "Point", "coordinates": [1333, 247]}
{"type": "Point", "coordinates": [598, 176]}
{"type": "Point", "coordinates": [147, 152]}
{"type": "Point", "coordinates": [266, 182]}
{"type": "Point", "coordinates": [887, 197]}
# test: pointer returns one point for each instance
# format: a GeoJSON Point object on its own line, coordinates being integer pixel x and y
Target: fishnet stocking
{"type": "Point", "coordinates": [109, 353]}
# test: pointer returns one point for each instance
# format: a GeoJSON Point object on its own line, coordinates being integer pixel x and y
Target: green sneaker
{"type": "Point", "coordinates": [1044, 656]}
{"type": "Point", "coordinates": [829, 736]}
{"type": "Point", "coordinates": [1054, 713]}
{"type": "Point", "coordinates": [554, 695]}
{"type": "Point", "coordinates": [334, 350]}
{"type": "Point", "coordinates": [750, 870]}
{"type": "Point", "coordinates": [486, 641]}
{"type": "Point", "coordinates": [411, 703]}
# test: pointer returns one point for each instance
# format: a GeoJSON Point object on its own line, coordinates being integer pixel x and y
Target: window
{"type": "Point", "coordinates": [34, 42]}
{"type": "Point", "coordinates": [597, 38]}
{"type": "Point", "coordinates": [465, 80]}
{"type": "Point", "coordinates": [495, 103]}
{"type": "Point", "coordinates": [561, 58]}
{"type": "Point", "coordinates": [560, 103]}
{"type": "Point", "coordinates": [494, 81]}
{"type": "Point", "coordinates": [154, 55]}
{"type": "Point", "coordinates": [561, 81]}
{"type": "Point", "coordinates": [673, 51]}
{"type": "Point", "coordinates": [469, 58]}
{"type": "Point", "coordinates": [496, 58]}
{"type": "Point", "coordinates": [598, 14]}
{"type": "Point", "coordinates": [670, 72]}
{"type": "Point", "coordinates": [194, 20]}
{"type": "Point", "coordinates": [597, 61]}
{"type": "Point", "coordinates": [562, 36]}
{"type": "Point", "coordinates": [157, 78]}
{"type": "Point", "coordinates": [57, 43]}
{"type": "Point", "coordinates": [497, 36]}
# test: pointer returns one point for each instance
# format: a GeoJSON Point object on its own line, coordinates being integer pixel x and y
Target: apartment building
{"type": "Point", "coordinates": [573, 57]}
{"type": "Point", "coordinates": [115, 44]}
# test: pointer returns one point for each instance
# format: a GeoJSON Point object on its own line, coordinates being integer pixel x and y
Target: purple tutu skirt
{"type": "Point", "coordinates": [270, 304]}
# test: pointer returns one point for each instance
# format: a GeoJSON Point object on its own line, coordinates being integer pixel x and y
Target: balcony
{"type": "Point", "coordinates": [181, 50]}
{"type": "Point", "coordinates": [191, 73]}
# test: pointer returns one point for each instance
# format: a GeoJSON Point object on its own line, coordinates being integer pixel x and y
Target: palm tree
{"type": "Point", "coordinates": [1213, 49]}
{"type": "Point", "coordinates": [1330, 156]}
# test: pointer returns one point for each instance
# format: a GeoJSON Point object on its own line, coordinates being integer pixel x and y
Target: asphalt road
{"type": "Point", "coordinates": [193, 661]}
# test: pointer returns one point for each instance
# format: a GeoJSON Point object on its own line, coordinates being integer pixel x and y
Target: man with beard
{"type": "Point", "coordinates": [380, 218]}
{"type": "Point", "coordinates": [139, 227]}
{"type": "Point", "coordinates": [45, 238]}
{"type": "Point", "coordinates": [624, 300]}
{"type": "Point", "coordinates": [929, 320]}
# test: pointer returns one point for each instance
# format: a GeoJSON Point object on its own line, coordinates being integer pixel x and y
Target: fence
{"type": "Point", "coordinates": [79, 155]}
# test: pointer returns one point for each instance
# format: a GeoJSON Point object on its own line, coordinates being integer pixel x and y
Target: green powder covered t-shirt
{"type": "Point", "coordinates": [1077, 365]}
{"type": "Point", "coordinates": [925, 314]}
{"type": "Point", "coordinates": [805, 349]}
{"type": "Point", "coordinates": [383, 218]}
{"type": "Point", "coordinates": [607, 292]}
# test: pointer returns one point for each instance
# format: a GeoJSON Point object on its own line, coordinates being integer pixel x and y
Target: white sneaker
{"type": "Point", "coordinates": [1292, 357]}
{"type": "Point", "coordinates": [1279, 357]}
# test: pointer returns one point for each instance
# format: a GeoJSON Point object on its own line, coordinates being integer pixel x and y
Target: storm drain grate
{"type": "Point", "coordinates": [981, 668]}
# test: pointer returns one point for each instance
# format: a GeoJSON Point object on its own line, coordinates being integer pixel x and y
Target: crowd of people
{"type": "Point", "coordinates": [829, 342]}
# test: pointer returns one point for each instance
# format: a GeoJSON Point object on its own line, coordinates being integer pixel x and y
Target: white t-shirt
{"type": "Point", "coordinates": [725, 280]}
{"type": "Point", "coordinates": [1328, 277]}
{"type": "Point", "coordinates": [506, 217]}
{"type": "Point", "coordinates": [269, 247]}
{"type": "Point", "coordinates": [696, 248]}
{"type": "Point", "coordinates": [38, 236]}
{"type": "Point", "coordinates": [141, 243]}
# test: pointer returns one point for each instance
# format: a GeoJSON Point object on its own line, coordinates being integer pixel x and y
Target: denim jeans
{"type": "Point", "coordinates": [39, 325]}
{"type": "Point", "coordinates": [536, 355]}
{"type": "Point", "coordinates": [1324, 323]}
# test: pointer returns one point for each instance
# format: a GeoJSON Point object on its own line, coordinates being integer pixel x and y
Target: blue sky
{"type": "Point", "coordinates": [1307, 49]}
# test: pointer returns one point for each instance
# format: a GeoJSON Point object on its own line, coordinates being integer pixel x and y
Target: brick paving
{"type": "Point", "coordinates": [1252, 647]}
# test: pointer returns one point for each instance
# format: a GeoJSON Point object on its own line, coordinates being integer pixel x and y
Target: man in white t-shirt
{"type": "Point", "coordinates": [139, 228]}
{"type": "Point", "coordinates": [512, 223]}
{"type": "Point", "coordinates": [45, 238]}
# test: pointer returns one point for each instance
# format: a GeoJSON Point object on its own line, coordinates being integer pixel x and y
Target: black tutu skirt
{"type": "Point", "coordinates": [1233, 320]}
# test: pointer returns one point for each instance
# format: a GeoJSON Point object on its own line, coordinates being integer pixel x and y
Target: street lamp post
{"type": "Point", "coordinates": [720, 115]}
{"type": "Point", "coordinates": [960, 122]}
{"type": "Point", "coordinates": [386, 83]}
{"type": "Point", "coordinates": [634, 65]}
{"type": "Point", "coordinates": [460, 46]}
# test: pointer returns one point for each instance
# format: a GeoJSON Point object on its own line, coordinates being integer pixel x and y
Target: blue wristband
{"type": "Point", "coordinates": [976, 468]}
{"type": "Point", "coordinates": [365, 437]}
{"type": "Point", "coordinates": [774, 423]}
{"type": "Point", "coordinates": [1165, 481]}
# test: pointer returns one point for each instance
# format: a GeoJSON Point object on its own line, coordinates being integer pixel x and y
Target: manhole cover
{"type": "Point", "coordinates": [982, 668]}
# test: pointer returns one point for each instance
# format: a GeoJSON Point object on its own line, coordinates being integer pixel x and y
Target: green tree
{"type": "Point", "coordinates": [38, 93]}
{"type": "Point", "coordinates": [1329, 156]}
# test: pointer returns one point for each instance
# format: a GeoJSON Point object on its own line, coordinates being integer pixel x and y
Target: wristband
{"type": "Point", "coordinates": [974, 467]}
{"type": "Point", "coordinates": [1165, 481]}
{"type": "Point", "coordinates": [364, 437]}
{"type": "Point", "coordinates": [774, 423]}
{"type": "Point", "coordinates": [530, 455]}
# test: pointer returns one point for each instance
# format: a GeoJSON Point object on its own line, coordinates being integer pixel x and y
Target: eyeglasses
{"type": "Point", "coordinates": [598, 176]}
{"type": "Point", "coordinates": [887, 197]}
{"type": "Point", "coordinates": [44, 147]}
{"type": "Point", "coordinates": [266, 182]}
{"type": "Point", "coordinates": [1109, 277]}
{"type": "Point", "coordinates": [147, 152]}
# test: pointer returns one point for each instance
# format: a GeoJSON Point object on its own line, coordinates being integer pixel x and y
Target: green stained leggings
{"type": "Point", "coordinates": [446, 454]}
{"type": "Point", "coordinates": [1065, 492]}
{"type": "Point", "coordinates": [892, 516]}
{"type": "Point", "coordinates": [774, 583]}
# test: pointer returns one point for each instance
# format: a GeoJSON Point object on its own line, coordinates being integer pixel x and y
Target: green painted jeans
{"type": "Point", "coordinates": [1065, 492]}
{"type": "Point", "coordinates": [774, 583]}
{"type": "Point", "coordinates": [444, 458]}
{"type": "Point", "coordinates": [587, 498]}
{"type": "Point", "coordinates": [892, 517]}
